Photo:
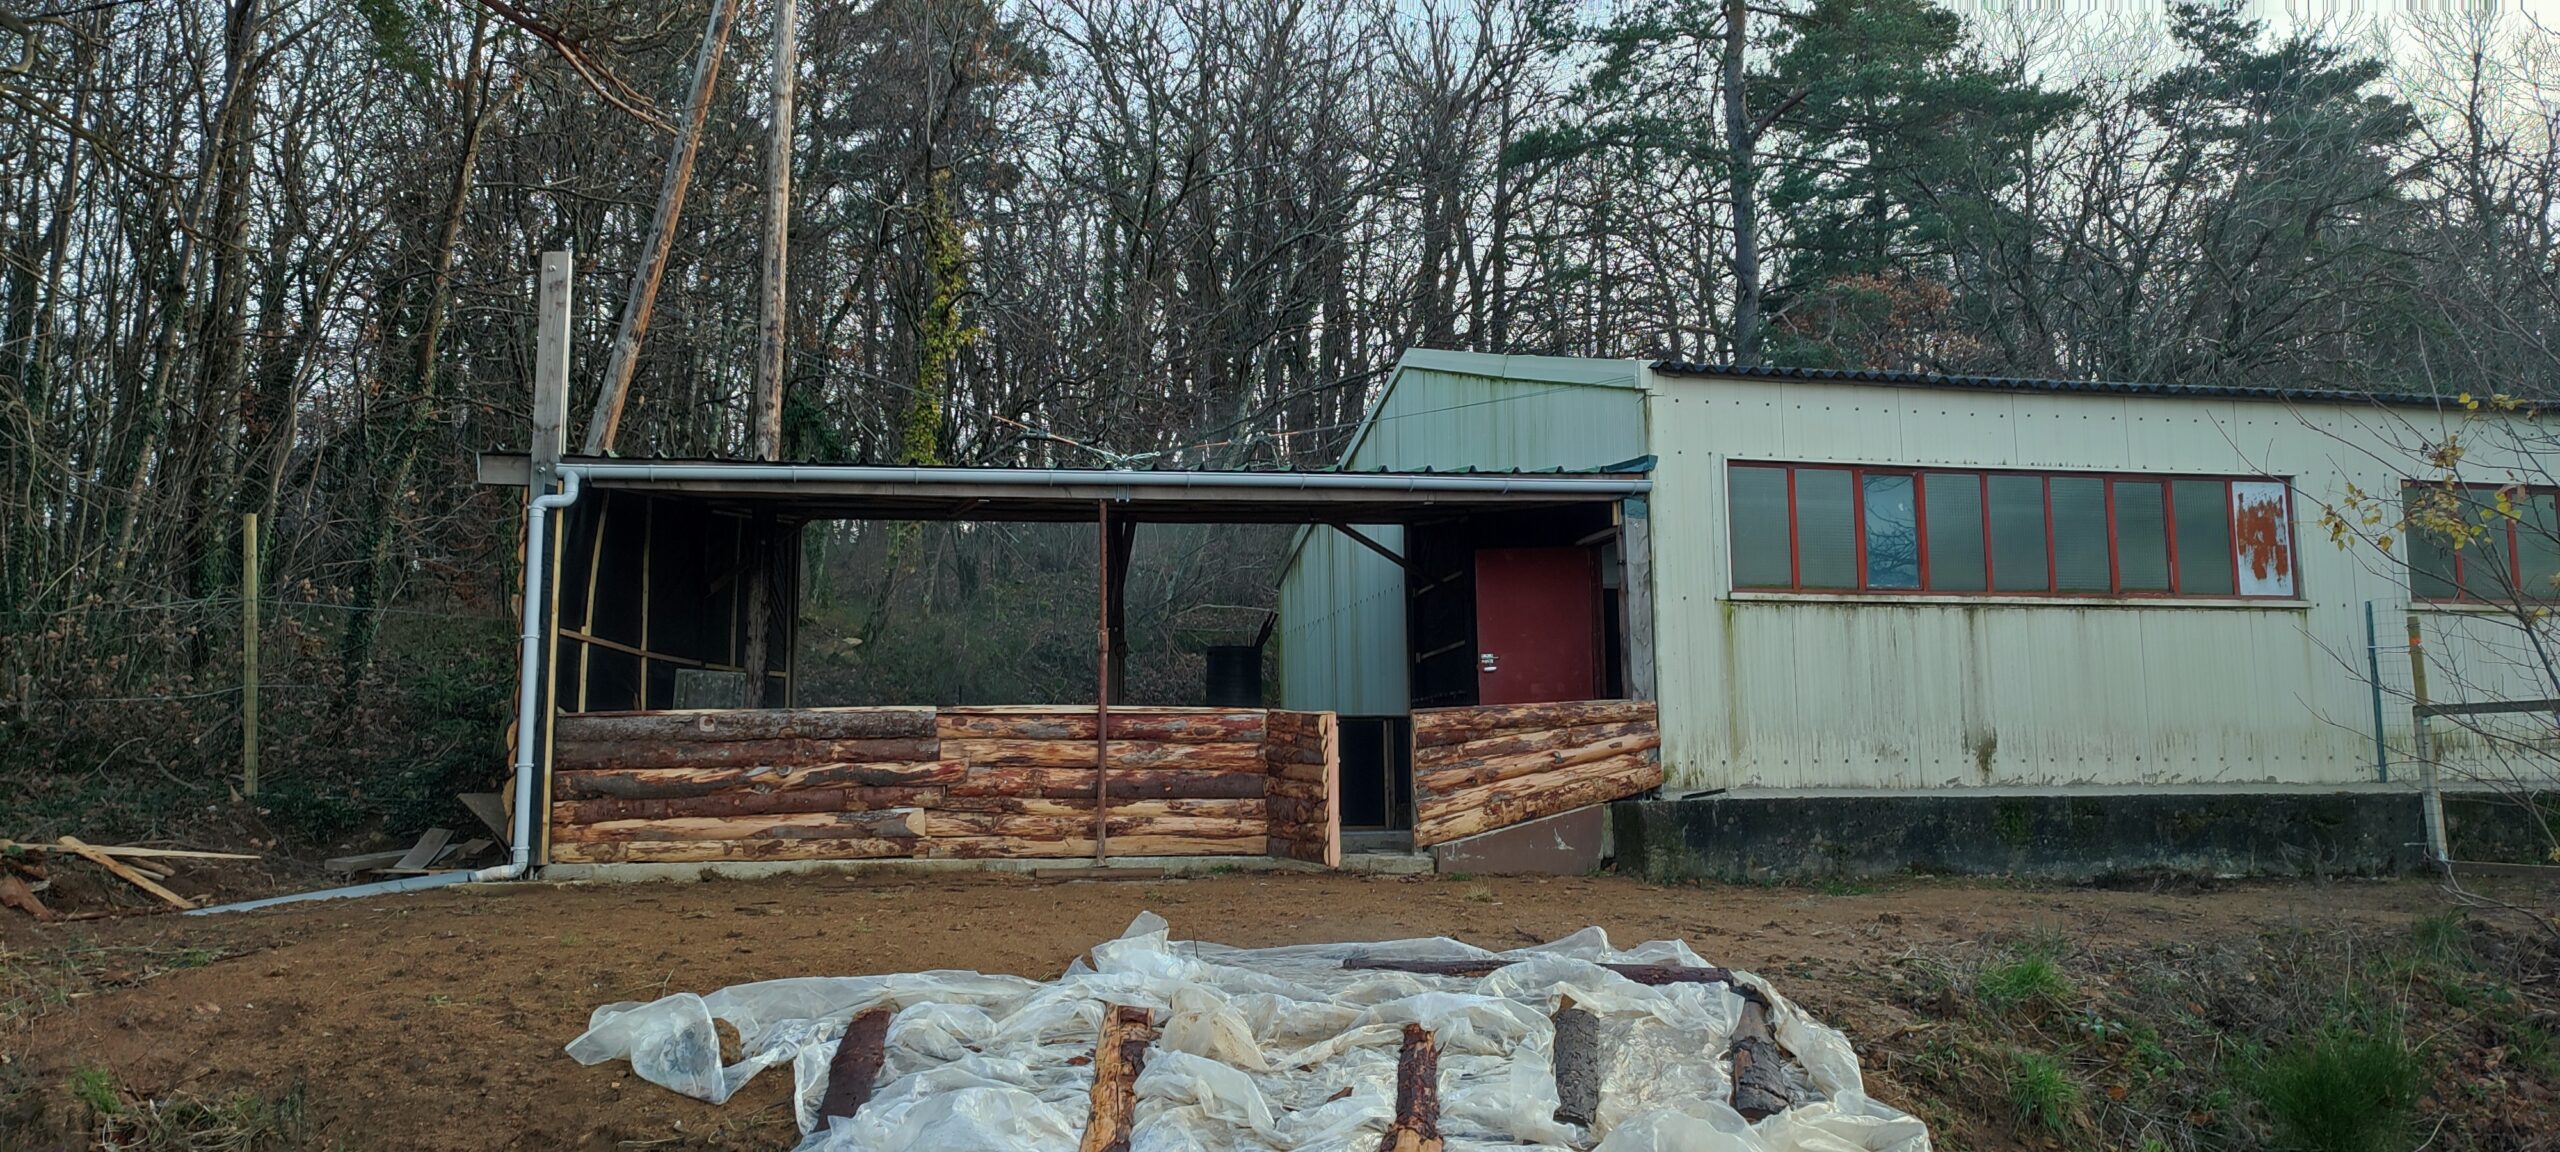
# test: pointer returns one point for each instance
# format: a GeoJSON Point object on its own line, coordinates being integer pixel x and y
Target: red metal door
{"type": "Point", "coordinates": [1537, 625]}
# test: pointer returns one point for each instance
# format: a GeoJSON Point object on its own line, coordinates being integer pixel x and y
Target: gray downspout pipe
{"type": "Point", "coordinates": [528, 707]}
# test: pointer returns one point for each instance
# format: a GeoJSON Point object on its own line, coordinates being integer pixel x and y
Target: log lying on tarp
{"type": "Point", "coordinates": [1417, 1124]}
{"type": "Point", "coordinates": [708, 725]}
{"type": "Point", "coordinates": [679, 783]}
{"type": "Point", "coordinates": [1577, 1062]}
{"type": "Point", "coordinates": [1118, 1056]}
{"type": "Point", "coordinates": [855, 1066]}
{"type": "Point", "coordinates": [738, 753]}
{"type": "Point", "coordinates": [1759, 1065]}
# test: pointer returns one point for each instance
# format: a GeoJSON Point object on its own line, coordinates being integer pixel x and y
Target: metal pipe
{"type": "Point", "coordinates": [529, 662]}
{"type": "Point", "coordinates": [2373, 677]}
{"type": "Point", "coordinates": [1594, 486]}
{"type": "Point", "coordinates": [1102, 694]}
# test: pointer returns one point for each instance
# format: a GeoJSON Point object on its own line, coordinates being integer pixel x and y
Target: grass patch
{"type": "Point", "coordinates": [95, 1089]}
{"type": "Point", "coordinates": [2041, 1090]}
{"type": "Point", "coordinates": [2341, 1091]}
{"type": "Point", "coordinates": [2031, 978]}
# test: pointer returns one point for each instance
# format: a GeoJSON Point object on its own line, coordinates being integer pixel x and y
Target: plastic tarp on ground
{"type": "Point", "coordinates": [1257, 1049]}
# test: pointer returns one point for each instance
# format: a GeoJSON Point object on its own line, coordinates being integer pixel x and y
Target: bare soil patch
{"type": "Point", "coordinates": [435, 1020]}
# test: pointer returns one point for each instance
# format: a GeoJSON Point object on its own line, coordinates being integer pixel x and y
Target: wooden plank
{"type": "Point", "coordinates": [853, 1071]}
{"type": "Point", "coordinates": [1478, 772]}
{"type": "Point", "coordinates": [745, 804]}
{"type": "Point", "coordinates": [128, 875]}
{"type": "Point", "coordinates": [721, 851]}
{"type": "Point", "coordinates": [1501, 805]}
{"type": "Point", "coordinates": [584, 754]}
{"type": "Point", "coordinates": [718, 725]}
{"type": "Point", "coordinates": [1216, 727]}
{"type": "Point", "coordinates": [895, 823]}
{"type": "Point", "coordinates": [364, 861]}
{"type": "Point", "coordinates": [491, 809]}
{"type": "Point", "coordinates": [1124, 753]}
{"type": "Point", "coordinates": [1119, 1055]}
{"type": "Point", "coordinates": [130, 851]}
{"type": "Point", "coordinates": [676, 783]}
{"type": "Point", "coordinates": [14, 893]}
{"type": "Point", "coordinates": [1436, 726]}
{"type": "Point", "coordinates": [429, 846]}
{"type": "Point", "coordinates": [1416, 1127]}
{"type": "Point", "coordinates": [1126, 784]}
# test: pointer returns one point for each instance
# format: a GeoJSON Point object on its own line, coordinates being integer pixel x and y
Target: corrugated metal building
{"type": "Point", "coordinates": [1886, 581]}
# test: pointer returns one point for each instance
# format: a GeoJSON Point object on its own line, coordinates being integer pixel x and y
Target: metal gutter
{"type": "Point", "coordinates": [1492, 483]}
{"type": "Point", "coordinates": [2038, 384]}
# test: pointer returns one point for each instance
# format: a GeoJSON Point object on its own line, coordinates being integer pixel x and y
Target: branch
{"type": "Point", "coordinates": [599, 78]}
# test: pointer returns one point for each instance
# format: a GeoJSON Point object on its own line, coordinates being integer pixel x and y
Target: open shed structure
{"type": "Point", "coordinates": [661, 566]}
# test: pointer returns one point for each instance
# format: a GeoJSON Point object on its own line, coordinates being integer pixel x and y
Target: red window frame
{"type": "Point", "coordinates": [1858, 473]}
{"type": "Point", "coordinates": [2514, 528]}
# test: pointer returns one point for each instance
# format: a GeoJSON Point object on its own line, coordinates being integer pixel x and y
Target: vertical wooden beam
{"type": "Point", "coordinates": [249, 654]}
{"type": "Point", "coordinates": [1635, 593]}
{"type": "Point", "coordinates": [2431, 805]}
{"type": "Point", "coordinates": [550, 371]}
{"type": "Point", "coordinates": [1102, 690]}
{"type": "Point", "coordinates": [772, 321]}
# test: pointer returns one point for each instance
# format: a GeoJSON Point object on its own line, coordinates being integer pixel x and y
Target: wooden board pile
{"type": "Point", "coordinates": [1399, 1046]}
{"type": "Point", "coordinates": [1490, 766]}
{"type": "Point", "coordinates": [27, 873]}
{"type": "Point", "coordinates": [871, 783]}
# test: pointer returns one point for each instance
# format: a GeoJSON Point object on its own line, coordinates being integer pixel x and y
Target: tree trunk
{"type": "Point", "coordinates": [1739, 145]}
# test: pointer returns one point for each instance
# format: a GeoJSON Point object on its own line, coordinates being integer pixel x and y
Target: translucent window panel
{"type": "Point", "coordinates": [2080, 534]}
{"type": "Point", "coordinates": [1955, 532]}
{"type": "Point", "coordinates": [2204, 537]}
{"type": "Point", "coordinates": [2430, 555]}
{"type": "Point", "coordinates": [1893, 533]}
{"type": "Point", "coordinates": [2142, 536]}
{"type": "Point", "coordinates": [1756, 510]}
{"type": "Point", "coordinates": [2538, 545]}
{"type": "Point", "coordinates": [2017, 533]}
{"type": "Point", "coordinates": [2262, 527]}
{"type": "Point", "coordinates": [1826, 529]}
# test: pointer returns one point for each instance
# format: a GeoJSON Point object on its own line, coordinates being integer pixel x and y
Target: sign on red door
{"type": "Point", "coordinates": [1537, 625]}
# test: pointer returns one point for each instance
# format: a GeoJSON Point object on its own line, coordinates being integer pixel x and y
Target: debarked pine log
{"type": "Point", "coordinates": [1433, 727]}
{"type": "Point", "coordinates": [726, 724]}
{"type": "Point", "coordinates": [676, 783]}
{"type": "Point", "coordinates": [1119, 1054]}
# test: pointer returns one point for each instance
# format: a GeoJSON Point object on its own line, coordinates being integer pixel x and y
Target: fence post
{"type": "Point", "coordinates": [249, 654]}
{"type": "Point", "coordinates": [2433, 805]}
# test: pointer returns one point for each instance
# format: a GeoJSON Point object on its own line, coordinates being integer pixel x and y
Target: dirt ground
{"type": "Point", "coordinates": [435, 1020]}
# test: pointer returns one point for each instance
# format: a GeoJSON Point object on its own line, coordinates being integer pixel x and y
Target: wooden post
{"type": "Point", "coordinates": [643, 297]}
{"type": "Point", "coordinates": [1635, 593]}
{"type": "Point", "coordinates": [1102, 693]}
{"type": "Point", "coordinates": [249, 654]}
{"type": "Point", "coordinates": [2423, 744]}
{"type": "Point", "coordinates": [773, 323]}
{"type": "Point", "coordinates": [550, 372]}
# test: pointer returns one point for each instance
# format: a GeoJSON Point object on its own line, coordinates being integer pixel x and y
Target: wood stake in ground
{"type": "Point", "coordinates": [128, 875]}
{"type": "Point", "coordinates": [856, 1065]}
{"type": "Point", "coordinates": [1417, 1123]}
{"type": "Point", "coordinates": [1118, 1056]}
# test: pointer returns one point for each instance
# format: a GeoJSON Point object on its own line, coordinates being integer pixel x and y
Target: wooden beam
{"type": "Point", "coordinates": [1119, 1054]}
{"type": "Point", "coordinates": [128, 875]}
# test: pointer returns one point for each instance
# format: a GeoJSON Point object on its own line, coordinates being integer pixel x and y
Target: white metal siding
{"type": "Point", "coordinates": [1342, 634]}
{"type": "Point", "coordinates": [1772, 692]}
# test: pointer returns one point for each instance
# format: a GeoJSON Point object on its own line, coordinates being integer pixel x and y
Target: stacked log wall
{"type": "Point", "coordinates": [1303, 754]}
{"type": "Point", "coordinates": [869, 783]}
{"type": "Point", "coordinates": [1480, 768]}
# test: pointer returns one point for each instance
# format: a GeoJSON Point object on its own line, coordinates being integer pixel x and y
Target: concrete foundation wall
{"type": "Point", "coordinates": [2066, 837]}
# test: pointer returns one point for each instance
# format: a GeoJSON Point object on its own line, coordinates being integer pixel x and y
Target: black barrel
{"type": "Point", "coordinates": [1235, 676]}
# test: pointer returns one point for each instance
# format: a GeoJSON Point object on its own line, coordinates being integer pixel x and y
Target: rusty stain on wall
{"type": "Point", "coordinates": [2263, 537]}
